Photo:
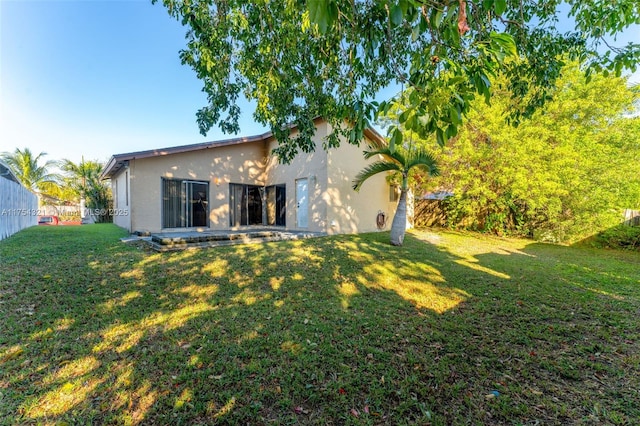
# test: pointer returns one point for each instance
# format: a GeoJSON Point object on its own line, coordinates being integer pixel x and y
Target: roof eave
{"type": "Point", "coordinates": [116, 162]}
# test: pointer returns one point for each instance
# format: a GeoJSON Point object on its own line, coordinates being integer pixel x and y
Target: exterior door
{"type": "Point", "coordinates": [276, 205]}
{"type": "Point", "coordinates": [185, 203]}
{"type": "Point", "coordinates": [302, 203]}
{"type": "Point", "coordinates": [196, 203]}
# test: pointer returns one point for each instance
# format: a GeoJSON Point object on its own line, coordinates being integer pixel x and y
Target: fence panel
{"type": "Point", "coordinates": [18, 208]}
{"type": "Point", "coordinates": [429, 213]}
{"type": "Point", "coordinates": [632, 217]}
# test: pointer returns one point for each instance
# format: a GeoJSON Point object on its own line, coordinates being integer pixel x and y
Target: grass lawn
{"type": "Point", "coordinates": [451, 328]}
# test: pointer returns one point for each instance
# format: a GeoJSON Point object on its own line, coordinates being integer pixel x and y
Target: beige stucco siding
{"type": "Point", "coordinates": [333, 206]}
{"type": "Point", "coordinates": [242, 163]}
{"type": "Point", "coordinates": [121, 199]}
{"type": "Point", "coordinates": [349, 211]}
{"type": "Point", "coordinates": [311, 166]}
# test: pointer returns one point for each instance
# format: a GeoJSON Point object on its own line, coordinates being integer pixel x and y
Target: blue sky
{"type": "Point", "coordinates": [96, 78]}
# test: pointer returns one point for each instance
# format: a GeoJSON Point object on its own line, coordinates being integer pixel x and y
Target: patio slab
{"type": "Point", "coordinates": [170, 241]}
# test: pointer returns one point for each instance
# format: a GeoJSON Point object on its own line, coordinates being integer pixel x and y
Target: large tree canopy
{"type": "Point", "coordinates": [302, 59]}
{"type": "Point", "coordinates": [566, 173]}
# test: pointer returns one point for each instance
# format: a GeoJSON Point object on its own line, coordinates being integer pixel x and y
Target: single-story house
{"type": "Point", "coordinates": [238, 183]}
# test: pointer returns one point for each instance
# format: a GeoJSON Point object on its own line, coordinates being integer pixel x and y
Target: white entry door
{"type": "Point", "coordinates": [302, 200]}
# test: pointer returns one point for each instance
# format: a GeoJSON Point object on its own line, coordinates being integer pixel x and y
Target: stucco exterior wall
{"type": "Point", "coordinates": [333, 206]}
{"type": "Point", "coordinates": [121, 199]}
{"type": "Point", "coordinates": [242, 163]}
{"type": "Point", "coordinates": [349, 211]}
{"type": "Point", "coordinates": [313, 167]}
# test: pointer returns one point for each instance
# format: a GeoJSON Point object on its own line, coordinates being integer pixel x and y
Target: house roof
{"type": "Point", "coordinates": [6, 172]}
{"type": "Point", "coordinates": [118, 161]}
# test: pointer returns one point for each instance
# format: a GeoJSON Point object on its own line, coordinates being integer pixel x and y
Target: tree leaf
{"type": "Point", "coordinates": [396, 15]}
{"type": "Point", "coordinates": [323, 13]}
{"type": "Point", "coordinates": [440, 136]}
{"type": "Point", "coordinates": [415, 32]}
{"type": "Point", "coordinates": [413, 122]}
{"type": "Point", "coordinates": [451, 131]}
{"type": "Point", "coordinates": [396, 140]}
{"type": "Point", "coordinates": [437, 18]}
{"type": "Point", "coordinates": [505, 42]}
{"type": "Point", "coordinates": [404, 5]}
{"type": "Point", "coordinates": [454, 115]}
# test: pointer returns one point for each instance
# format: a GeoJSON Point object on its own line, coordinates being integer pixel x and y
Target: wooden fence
{"type": "Point", "coordinates": [428, 213]}
{"type": "Point", "coordinates": [632, 217]}
{"type": "Point", "coordinates": [18, 206]}
{"type": "Point", "coordinates": [431, 213]}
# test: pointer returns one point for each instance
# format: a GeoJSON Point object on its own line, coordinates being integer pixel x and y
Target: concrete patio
{"type": "Point", "coordinates": [171, 241]}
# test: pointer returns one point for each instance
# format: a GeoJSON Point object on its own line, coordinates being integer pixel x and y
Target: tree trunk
{"type": "Point", "coordinates": [399, 224]}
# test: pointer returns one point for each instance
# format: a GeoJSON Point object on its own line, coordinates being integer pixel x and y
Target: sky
{"type": "Point", "coordinates": [92, 78]}
{"type": "Point", "coordinates": [96, 78]}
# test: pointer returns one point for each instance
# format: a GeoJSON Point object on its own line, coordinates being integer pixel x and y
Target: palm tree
{"type": "Point", "coordinates": [400, 161]}
{"type": "Point", "coordinates": [84, 180]}
{"type": "Point", "coordinates": [82, 176]}
{"type": "Point", "coordinates": [25, 167]}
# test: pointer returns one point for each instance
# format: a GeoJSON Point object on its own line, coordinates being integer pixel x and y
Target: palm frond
{"type": "Point", "coordinates": [24, 165]}
{"type": "Point", "coordinates": [422, 158]}
{"type": "Point", "coordinates": [395, 157]}
{"type": "Point", "coordinates": [374, 169]}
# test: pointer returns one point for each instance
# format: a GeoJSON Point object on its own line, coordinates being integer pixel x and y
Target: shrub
{"type": "Point", "coordinates": [619, 237]}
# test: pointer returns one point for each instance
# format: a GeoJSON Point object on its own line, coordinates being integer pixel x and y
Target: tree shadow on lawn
{"type": "Point", "coordinates": [566, 321]}
{"type": "Point", "coordinates": [335, 330]}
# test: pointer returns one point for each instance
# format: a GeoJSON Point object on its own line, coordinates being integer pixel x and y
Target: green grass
{"type": "Point", "coordinates": [335, 330]}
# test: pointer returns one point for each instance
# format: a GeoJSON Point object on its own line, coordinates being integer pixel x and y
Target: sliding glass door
{"type": "Point", "coordinates": [195, 209]}
{"type": "Point", "coordinates": [275, 200]}
{"type": "Point", "coordinates": [257, 205]}
{"type": "Point", "coordinates": [185, 203]}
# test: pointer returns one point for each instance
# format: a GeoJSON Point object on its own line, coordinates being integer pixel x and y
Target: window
{"type": "Point", "coordinates": [115, 193]}
{"type": "Point", "coordinates": [394, 193]}
{"type": "Point", "coordinates": [184, 203]}
{"type": "Point", "coordinates": [257, 205]}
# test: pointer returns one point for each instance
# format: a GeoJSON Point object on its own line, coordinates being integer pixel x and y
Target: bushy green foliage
{"type": "Point", "coordinates": [561, 176]}
{"type": "Point", "coordinates": [334, 58]}
{"type": "Point", "coordinates": [84, 181]}
{"type": "Point", "coordinates": [618, 237]}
